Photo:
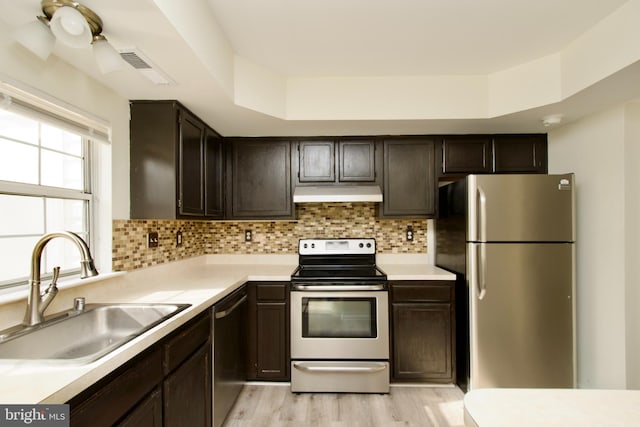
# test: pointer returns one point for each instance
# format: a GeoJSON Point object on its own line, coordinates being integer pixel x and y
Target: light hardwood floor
{"type": "Point", "coordinates": [275, 406]}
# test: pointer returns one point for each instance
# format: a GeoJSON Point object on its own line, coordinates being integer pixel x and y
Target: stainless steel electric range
{"type": "Point", "coordinates": [339, 318]}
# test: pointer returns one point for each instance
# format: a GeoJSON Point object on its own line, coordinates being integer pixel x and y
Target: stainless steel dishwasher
{"type": "Point", "coordinates": [229, 352]}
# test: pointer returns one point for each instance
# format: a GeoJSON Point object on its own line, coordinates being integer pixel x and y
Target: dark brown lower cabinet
{"type": "Point", "coordinates": [269, 353]}
{"type": "Point", "coordinates": [146, 414]}
{"type": "Point", "coordinates": [184, 389]}
{"type": "Point", "coordinates": [423, 328]}
{"type": "Point", "coordinates": [167, 385]}
{"type": "Point", "coordinates": [112, 398]}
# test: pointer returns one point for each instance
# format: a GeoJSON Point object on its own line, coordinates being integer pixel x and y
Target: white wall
{"type": "Point", "coordinates": [599, 151]}
{"type": "Point", "coordinates": [632, 239]}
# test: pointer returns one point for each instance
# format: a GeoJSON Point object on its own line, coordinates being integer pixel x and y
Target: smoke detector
{"type": "Point", "coordinates": [143, 64]}
{"type": "Point", "coordinates": [553, 119]}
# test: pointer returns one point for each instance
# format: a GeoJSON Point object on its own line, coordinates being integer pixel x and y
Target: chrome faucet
{"type": "Point", "coordinates": [37, 303]}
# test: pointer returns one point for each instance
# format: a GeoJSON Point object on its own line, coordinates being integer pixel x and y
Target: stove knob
{"type": "Point", "coordinates": [369, 245]}
{"type": "Point", "coordinates": [304, 245]}
{"type": "Point", "coordinates": [361, 245]}
{"type": "Point", "coordinates": [313, 245]}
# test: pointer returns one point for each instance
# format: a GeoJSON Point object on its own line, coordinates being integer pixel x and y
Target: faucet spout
{"type": "Point", "coordinates": [37, 303]}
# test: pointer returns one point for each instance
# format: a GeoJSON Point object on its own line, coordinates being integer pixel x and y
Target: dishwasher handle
{"type": "Point", "coordinates": [224, 313]}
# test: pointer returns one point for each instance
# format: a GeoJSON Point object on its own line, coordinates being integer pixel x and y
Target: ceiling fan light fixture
{"type": "Point", "coordinates": [37, 37]}
{"type": "Point", "coordinates": [73, 24]}
{"type": "Point", "coordinates": [106, 56]}
{"type": "Point", "coordinates": [71, 27]}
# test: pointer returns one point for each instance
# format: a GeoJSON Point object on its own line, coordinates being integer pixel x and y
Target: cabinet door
{"type": "Point", "coordinates": [213, 170]}
{"type": "Point", "coordinates": [357, 161]}
{"type": "Point", "coordinates": [147, 414]}
{"type": "Point", "coordinates": [316, 161]}
{"type": "Point", "coordinates": [153, 160]}
{"type": "Point", "coordinates": [466, 154]}
{"type": "Point", "coordinates": [107, 401]}
{"type": "Point", "coordinates": [409, 178]}
{"type": "Point", "coordinates": [187, 392]}
{"type": "Point", "coordinates": [272, 341]}
{"type": "Point", "coordinates": [191, 167]}
{"type": "Point", "coordinates": [520, 153]}
{"type": "Point", "coordinates": [261, 179]}
{"type": "Point", "coordinates": [268, 357]}
{"type": "Point", "coordinates": [422, 338]}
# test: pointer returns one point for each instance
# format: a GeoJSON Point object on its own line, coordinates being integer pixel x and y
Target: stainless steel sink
{"type": "Point", "coordinates": [81, 337]}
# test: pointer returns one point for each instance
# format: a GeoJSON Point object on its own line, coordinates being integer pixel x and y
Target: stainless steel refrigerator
{"type": "Point", "coordinates": [510, 239]}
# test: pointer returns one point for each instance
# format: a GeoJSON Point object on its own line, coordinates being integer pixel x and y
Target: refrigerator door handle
{"type": "Point", "coordinates": [481, 214]}
{"type": "Point", "coordinates": [481, 267]}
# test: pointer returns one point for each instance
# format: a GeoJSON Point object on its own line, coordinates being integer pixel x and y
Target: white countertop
{"type": "Point", "coordinates": [551, 408]}
{"type": "Point", "coordinates": [415, 272]}
{"type": "Point", "coordinates": [411, 267]}
{"type": "Point", "coordinates": [200, 281]}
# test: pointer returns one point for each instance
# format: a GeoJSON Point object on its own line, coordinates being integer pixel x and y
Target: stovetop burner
{"type": "Point", "coordinates": [337, 261]}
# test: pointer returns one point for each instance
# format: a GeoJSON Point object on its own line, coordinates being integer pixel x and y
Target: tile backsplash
{"type": "Point", "coordinates": [315, 220]}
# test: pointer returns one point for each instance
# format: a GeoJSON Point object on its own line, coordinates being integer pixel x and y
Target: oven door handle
{"type": "Point", "coordinates": [307, 367]}
{"type": "Point", "coordinates": [297, 287]}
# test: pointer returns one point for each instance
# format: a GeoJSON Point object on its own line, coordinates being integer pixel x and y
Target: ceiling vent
{"type": "Point", "coordinates": [140, 62]}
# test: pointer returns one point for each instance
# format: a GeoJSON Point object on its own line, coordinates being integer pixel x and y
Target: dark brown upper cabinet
{"type": "Point", "coordinates": [409, 178]}
{"type": "Point", "coordinates": [509, 153]}
{"type": "Point", "coordinates": [464, 154]}
{"type": "Point", "coordinates": [213, 170]}
{"type": "Point", "coordinates": [316, 161]}
{"type": "Point", "coordinates": [259, 179]}
{"type": "Point", "coordinates": [357, 161]}
{"type": "Point", "coordinates": [341, 161]}
{"type": "Point", "coordinates": [191, 144]}
{"type": "Point", "coordinates": [520, 153]}
{"type": "Point", "coordinates": [176, 163]}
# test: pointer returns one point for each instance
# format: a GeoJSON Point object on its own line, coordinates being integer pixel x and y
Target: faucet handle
{"type": "Point", "coordinates": [53, 286]}
{"type": "Point", "coordinates": [52, 290]}
{"type": "Point", "coordinates": [56, 274]}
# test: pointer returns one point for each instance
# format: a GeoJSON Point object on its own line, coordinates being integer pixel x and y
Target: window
{"type": "Point", "coordinates": [45, 186]}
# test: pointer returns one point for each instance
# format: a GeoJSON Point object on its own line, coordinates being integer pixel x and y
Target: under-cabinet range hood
{"type": "Point", "coordinates": [352, 193]}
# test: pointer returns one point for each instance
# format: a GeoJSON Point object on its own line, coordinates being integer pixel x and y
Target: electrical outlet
{"type": "Point", "coordinates": [409, 233]}
{"type": "Point", "coordinates": [248, 235]}
{"type": "Point", "coordinates": [179, 238]}
{"type": "Point", "coordinates": [152, 239]}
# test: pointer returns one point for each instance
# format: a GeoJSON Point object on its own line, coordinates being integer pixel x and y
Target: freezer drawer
{"type": "Point", "coordinates": [522, 315]}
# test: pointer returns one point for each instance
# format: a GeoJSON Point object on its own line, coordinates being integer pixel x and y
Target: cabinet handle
{"type": "Point", "coordinates": [224, 313]}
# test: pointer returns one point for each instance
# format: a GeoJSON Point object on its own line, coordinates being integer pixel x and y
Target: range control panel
{"type": "Point", "coordinates": [337, 246]}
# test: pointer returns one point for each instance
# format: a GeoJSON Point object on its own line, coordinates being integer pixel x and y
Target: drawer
{"type": "Point", "coordinates": [115, 396]}
{"type": "Point", "coordinates": [180, 346]}
{"type": "Point", "coordinates": [271, 291]}
{"type": "Point", "coordinates": [422, 291]}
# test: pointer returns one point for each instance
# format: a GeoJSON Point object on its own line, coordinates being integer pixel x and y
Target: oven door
{"type": "Point", "coordinates": [339, 325]}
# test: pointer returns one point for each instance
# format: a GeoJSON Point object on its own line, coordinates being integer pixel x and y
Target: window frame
{"type": "Point", "coordinates": [43, 191]}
